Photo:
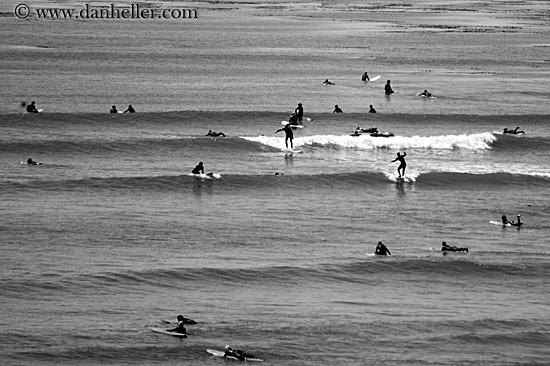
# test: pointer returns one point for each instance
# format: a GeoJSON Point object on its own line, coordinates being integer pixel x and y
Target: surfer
{"type": "Point", "coordinates": [381, 249]}
{"type": "Point", "coordinates": [425, 94]}
{"type": "Point", "coordinates": [447, 248]}
{"type": "Point", "coordinates": [514, 131]}
{"type": "Point", "coordinates": [215, 134]}
{"type": "Point", "coordinates": [402, 163]}
{"type": "Point", "coordinates": [130, 109]}
{"type": "Point", "coordinates": [289, 135]}
{"type": "Point", "coordinates": [31, 162]}
{"type": "Point", "coordinates": [506, 222]}
{"type": "Point", "coordinates": [180, 328]}
{"type": "Point", "coordinates": [365, 77]}
{"type": "Point", "coordinates": [113, 109]}
{"type": "Point", "coordinates": [293, 120]}
{"type": "Point", "coordinates": [337, 109]}
{"type": "Point", "coordinates": [31, 108]}
{"type": "Point", "coordinates": [299, 112]}
{"type": "Point", "coordinates": [326, 82]}
{"type": "Point", "coordinates": [237, 353]}
{"type": "Point", "coordinates": [199, 169]}
{"type": "Point", "coordinates": [387, 88]}
{"type": "Point", "coordinates": [371, 109]}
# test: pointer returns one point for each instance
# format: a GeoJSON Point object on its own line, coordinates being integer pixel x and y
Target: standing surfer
{"type": "Point", "coordinates": [402, 164]}
{"type": "Point", "coordinates": [387, 88]}
{"type": "Point", "coordinates": [289, 135]}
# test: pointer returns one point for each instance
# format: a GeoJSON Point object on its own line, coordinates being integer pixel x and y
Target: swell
{"type": "Point", "coordinates": [364, 271]}
{"type": "Point", "coordinates": [232, 182]}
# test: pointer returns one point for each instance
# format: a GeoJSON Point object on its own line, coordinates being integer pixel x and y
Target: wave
{"type": "Point", "coordinates": [232, 182]}
{"type": "Point", "coordinates": [478, 141]}
{"type": "Point", "coordinates": [358, 271]}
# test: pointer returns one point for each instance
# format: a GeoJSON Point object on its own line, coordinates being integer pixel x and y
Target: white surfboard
{"type": "Point", "coordinates": [293, 151]}
{"type": "Point", "coordinates": [375, 78]}
{"type": "Point", "coordinates": [291, 126]}
{"type": "Point", "coordinates": [164, 331]}
{"type": "Point", "coordinates": [216, 353]}
{"type": "Point", "coordinates": [39, 110]}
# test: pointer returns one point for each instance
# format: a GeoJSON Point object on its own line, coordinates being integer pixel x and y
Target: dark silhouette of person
{"type": "Point", "coordinates": [293, 120]}
{"type": "Point", "coordinates": [381, 249]}
{"type": "Point", "coordinates": [371, 109]}
{"type": "Point", "coordinates": [387, 88]}
{"type": "Point", "coordinates": [447, 248]}
{"type": "Point", "coordinates": [365, 77]}
{"type": "Point", "coordinates": [215, 134]}
{"type": "Point", "coordinates": [506, 222]}
{"type": "Point", "coordinates": [199, 169]}
{"type": "Point", "coordinates": [514, 131]}
{"type": "Point", "coordinates": [113, 109]}
{"type": "Point", "coordinates": [402, 163]}
{"type": "Point", "coordinates": [31, 162]}
{"type": "Point", "coordinates": [130, 109]}
{"type": "Point", "coordinates": [299, 112]}
{"type": "Point", "coordinates": [237, 353]}
{"type": "Point", "coordinates": [337, 109]}
{"type": "Point", "coordinates": [180, 328]}
{"type": "Point", "coordinates": [31, 108]}
{"type": "Point", "coordinates": [326, 82]}
{"type": "Point", "coordinates": [289, 135]}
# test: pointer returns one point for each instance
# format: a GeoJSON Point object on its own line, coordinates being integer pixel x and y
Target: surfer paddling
{"type": "Point", "coordinates": [237, 353]}
{"type": "Point", "coordinates": [447, 248]}
{"type": "Point", "coordinates": [402, 164]}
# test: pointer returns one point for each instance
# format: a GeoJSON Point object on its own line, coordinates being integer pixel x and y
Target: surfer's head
{"type": "Point", "coordinates": [180, 318]}
{"type": "Point", "coordinates": [227, 348]}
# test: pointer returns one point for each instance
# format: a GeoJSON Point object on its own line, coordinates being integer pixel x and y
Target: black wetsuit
{"type": "Point", "coordinates": [199, 169]}
{"type": "Point", "coordinates": [381, 249]}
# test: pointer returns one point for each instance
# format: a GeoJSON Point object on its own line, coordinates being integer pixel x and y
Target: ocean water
{"type": "Point", "coordinates": [274, 254]}
{"type": "Point", "coordinates": [112, 234]}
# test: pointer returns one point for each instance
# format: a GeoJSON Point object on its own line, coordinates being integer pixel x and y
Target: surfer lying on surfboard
{"type": "Point", "coordinates": [514, 131]}
{"type": "Point", "coordinates": [447, 248]}
{"type": "Point", "coordinates": [237, 353]}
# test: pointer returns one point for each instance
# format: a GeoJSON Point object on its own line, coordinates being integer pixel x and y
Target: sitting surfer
{"type": "Point", "coordinates": [425, 93]}
{"type": "Point", "coordinates": [371, 109]}
{"type": "Point", "coordinates": [180, 328]}
{"type": "Point", "coordinates": [381, 249]}
{"type": "Point", "coordinates": [199, 169]}
{"type": "Point", "coordinates": [130, 109]}
{"type": "Point", "coordinates": [365, 77]}
{"type": "Point", "coordinates": [387, 88]}
{"type": "Point", "coordinates": [402, 164]}
{"type": "Point", "coordinates": [215, 134]}
{"type": "Point", "coordinates": [31, 108]}
{"type": "Point", "coordinates": [337, 109]}
{"type": "Point", "coordinates": [113, 109]}
{"type": "Point", "coordinates": [326, 82]}
{"type": "Point", "coordinates": [237, 353]}
{"type": "Point", "coordinates": [447, 248]}
{"type": "Point", "coordinates": [505, 221]}
{"type": "Point", "coordinates": [514, 131]}
{"type": "Point", "coordinates": [293, 120]}
{"type": "Point", "coordinates": [289, 135]}
{"type": "Point", "coordinates": [31, 162]}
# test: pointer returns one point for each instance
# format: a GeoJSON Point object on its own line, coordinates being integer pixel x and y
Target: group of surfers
{"type": "Point", "coordinates": [229, 351]}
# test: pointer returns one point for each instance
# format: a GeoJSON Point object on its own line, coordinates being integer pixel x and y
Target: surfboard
{"type": "Point", "coordinates": [424, 96]}
{"type": "Point", "coordinates": [375, 78]}
{"type": "Point", "coordinates": [210, 175]}
{"type": "Point", "coordinates": [164, 331]}
{"type": "Point", "coordinates": [291, 126]}
{"type": "Point", "coordinates": [216, 353]}
{"type": "Point", "coordinates": [25, 163]}
{"type": "Point", "coordinates": [292, 151]}
{"type": "Point", "coordinates": [39, 110]}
